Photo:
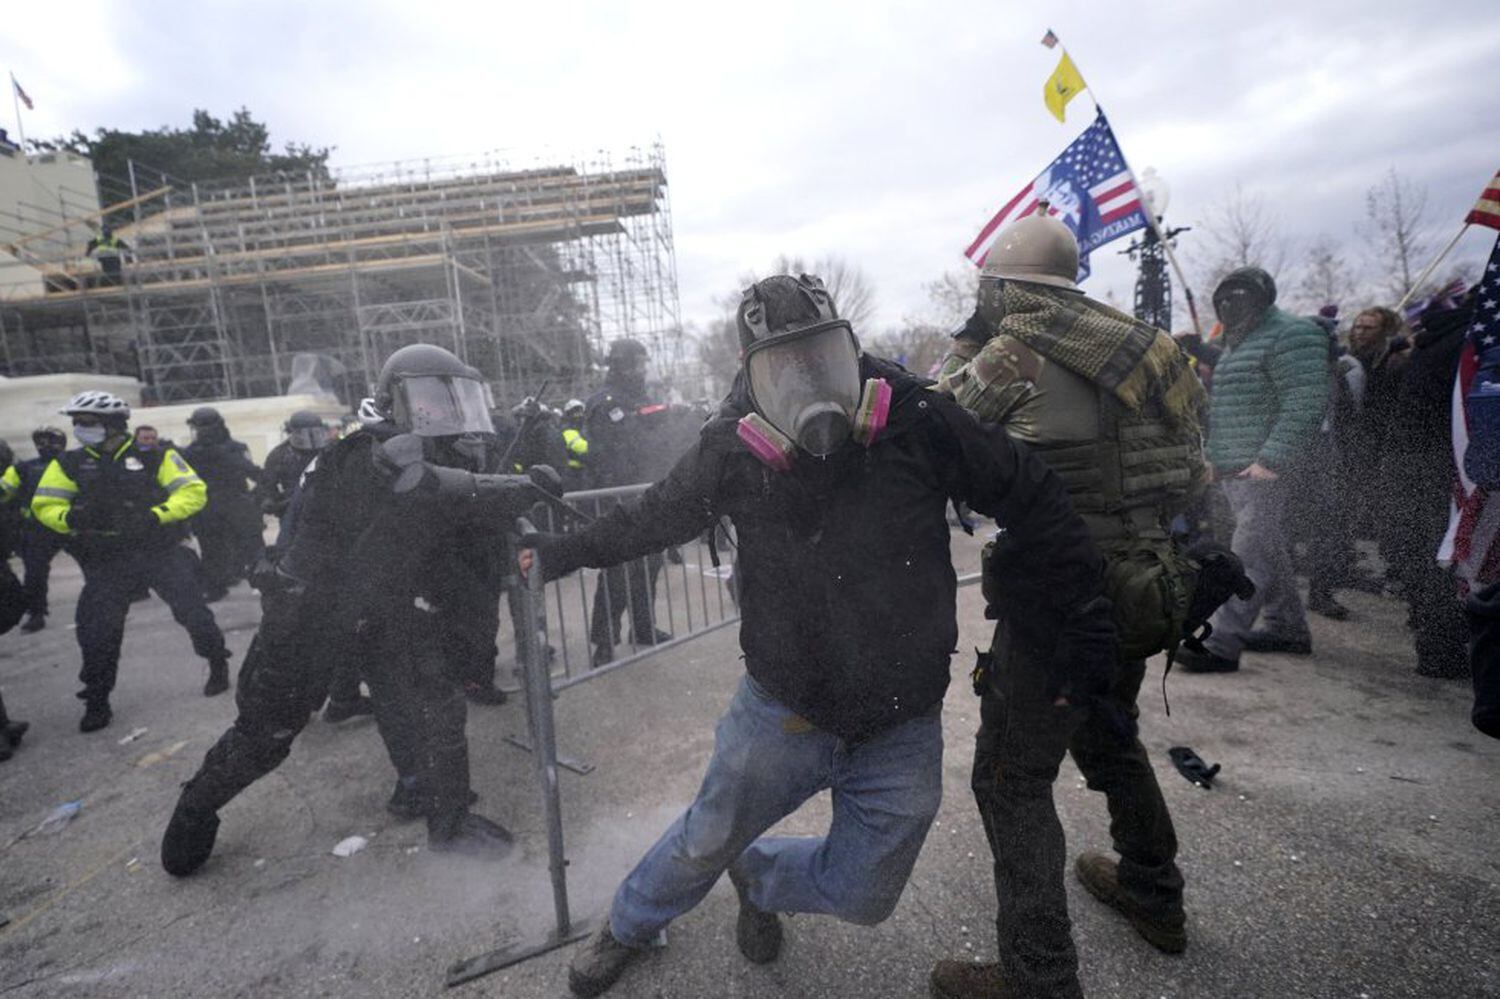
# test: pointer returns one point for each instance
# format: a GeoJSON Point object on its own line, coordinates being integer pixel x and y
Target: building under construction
{"type": "Point", "coordinates": [251, 288]}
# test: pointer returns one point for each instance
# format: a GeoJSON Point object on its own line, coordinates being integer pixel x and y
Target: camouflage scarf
{"type": "Point", "coordinates": [1129, 359]}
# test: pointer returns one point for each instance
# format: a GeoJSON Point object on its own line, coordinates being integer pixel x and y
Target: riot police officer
{"type": "Point", "coordinates": [616, 425]}
{"type": "Point", "coordinates": [229, 528]}
{"type": "Point", "coordinates": [575, 472]}
{"type": "Point", "coordinates": [306, 435]}
{"type": "Point", "coordinates": [1112, 405]}
{"type": "Point", "coordinates": [36, 545]}
{"type": "Point", "coordinates": [395, 574]}
{"type": "Point", "coordinates": [121, 511]}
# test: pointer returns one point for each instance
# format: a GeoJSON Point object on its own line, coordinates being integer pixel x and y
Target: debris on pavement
{"type": "Point", "coordinates": [1192, 766]}
{"type": "Point", "coordinates": [349, 846]}
{"type": "Point", "coordinates": [58, 818]}
{"type": "Point", "coordinates": [135, 734]}
{"type": "Point", "coordinates": [151, 759]}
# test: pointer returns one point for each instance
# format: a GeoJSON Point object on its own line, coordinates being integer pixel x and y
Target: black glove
{"type": "Point", "coordinates": [85, 517]}
{"type": "Point", "coordinates": [1087, 653]}
{"type": "Point", "coordinates": [1191, 766]}
{"type": "Point", "coordinates": [975, 330]}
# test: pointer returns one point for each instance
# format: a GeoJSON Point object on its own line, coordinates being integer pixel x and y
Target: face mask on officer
{"type": "Point", "coordinates": [89, 434]}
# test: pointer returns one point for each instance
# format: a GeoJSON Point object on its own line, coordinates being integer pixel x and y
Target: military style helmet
{"type": "Point", "coordinates": [205, 416]}
{"type": "Point", "coordinates": [1038, 249]}
{"type": "Point", "coordinates": [306, 430]}
{"type": "Point", "coordinates": [304, 419]}
{"type": "Point", "coordinates": [428, 391]}
{"type": "Point", "coordinates": [573, 407]}
{"type": "Point", "coordinates": [97, 404]}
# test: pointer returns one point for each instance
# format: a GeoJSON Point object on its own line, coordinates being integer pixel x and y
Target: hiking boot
{"type": "Point", "coordinates": [484, 693]}
{"type": "Point", "coordinates": [34, 622]}
{"type": "Point", "coordinates": [340, 711]}
{"type": "Point", "coordinates": [1264, 641]}
{"type": "Point", "coordinates": [1325, 605]}
{"type": "Point", "coordinates": [218, 677]}
{"type": "Point", "coordinates": [598, 963]}
{"type": "Point", "coordinates": [1101, 876]}
{"type": "Point", "coordinates": [967, 980]}
{"type": "Point", "coordinates": [96, 715]}
{"type": "Point", "coordinates": [468, 835]}
{"type": "Point", "coordinates": [757, 932]}
{"type": "Point", "coordinates": [189, 840]}
{"type": "Point", "coordinates": [1191, 661]}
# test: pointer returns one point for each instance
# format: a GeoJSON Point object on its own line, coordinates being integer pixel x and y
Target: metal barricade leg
{"type": "Point", "coordinates": [537, 684]}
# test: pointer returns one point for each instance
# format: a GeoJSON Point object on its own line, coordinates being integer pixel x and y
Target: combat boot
{"type": "Point", "coordinates": [967, 980]}
{"type": "Point", "coordinates": [10, 731]}
{"type": "Point", "coordinates": [189, 839]}
{"type": "Point", "coordinates": [468, 835]}
{"type": "Point", "coordinates": [758, 933]}
{"type": "Point", "coordinates": [481, 692]}
{"type": "Point", "coordinates": [96, 715]}
{"type": "Point", "coordinates": [1101, 876]}
{"type": "Point", "coordinates": [340, 711]}
{"type": "Point", "coordinates": [34, 622]}
{"type": "Point", "coordinates": [599, 962]}
{"type": "Point", "coordinates": [218, 676]}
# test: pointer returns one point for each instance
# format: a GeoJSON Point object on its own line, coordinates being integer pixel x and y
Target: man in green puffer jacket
{"type": "Point", "coordinates": [1270, 391]}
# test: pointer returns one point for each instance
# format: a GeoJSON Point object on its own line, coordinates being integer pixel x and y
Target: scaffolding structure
{"type": "Point", "coordinates": [527, 274]}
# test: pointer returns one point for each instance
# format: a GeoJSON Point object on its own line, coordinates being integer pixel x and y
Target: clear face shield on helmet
{"type": "Point", "coordinates": [441, 406]}
{"type": "Point", "coordinates": [307, 438]}
{"type": "Point", "coordinates": [806, 384]}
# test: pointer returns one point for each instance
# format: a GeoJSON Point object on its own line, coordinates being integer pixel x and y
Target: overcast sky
{"type": "Point", "coordinates": [885, 134]}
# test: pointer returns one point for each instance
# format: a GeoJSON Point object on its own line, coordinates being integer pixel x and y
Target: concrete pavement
{"type": "Point", "coordinates": [1349, 848]}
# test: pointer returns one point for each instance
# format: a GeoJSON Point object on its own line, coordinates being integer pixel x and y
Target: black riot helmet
{"type": "Point", "coordinates": [427, 391]}
{"type": "Point", "coordinates": [49, 441]}
{"type": "Point", "coordinates": [208, 425]}
{"type": "Point", "coordinates": [306, 431]}
{"type": "Point", "coordinates": [627, 365]}
{"type": "Point", "coordinates": [801, 361]}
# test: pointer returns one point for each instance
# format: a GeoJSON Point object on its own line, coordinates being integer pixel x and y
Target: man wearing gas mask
{"type": "Point", "coordinates": [401, 577]}
{"type": "Point", "coordinates": [306, 435]}
{"type": "Point", "coordinates": [1111, 404]}
{"type": "Point", "coordinates": [836, 468]}
{"type": "Point", "coordinates": [1270, 393]}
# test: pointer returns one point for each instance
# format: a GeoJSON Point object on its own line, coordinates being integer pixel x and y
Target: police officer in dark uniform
{"type": "Point", "coordinates": [121, 511]}
{"type": "Point", "coordinates": [12, 607]}
{"type": "Point", "coordinates": [306, 435]}
{"type": "Point", "coordinates": [616, 425]}
{"type": "Point", "coordinates": [36, 545]}
{"type": "Point", "coordinates": [229, 527]}
{"type": "Point", "coordinates": [398, 574]}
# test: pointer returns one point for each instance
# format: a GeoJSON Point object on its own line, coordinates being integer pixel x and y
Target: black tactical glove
{"type": "Point", "coordinates": [1087, 653]}
{"type": "Point", "coordinates": [1192, 766]}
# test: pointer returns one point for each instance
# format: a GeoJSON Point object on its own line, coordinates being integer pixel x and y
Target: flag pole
{"type": "Point", "coordinates": [1422, 278]}
{"type": "Point", "coordinates": [16, 100]}
{"type": "Point", "coordinates": [1151, 220]}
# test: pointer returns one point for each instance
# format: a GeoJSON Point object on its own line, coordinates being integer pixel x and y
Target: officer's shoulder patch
{"type": "Point", "coordinates": [133, 464]}
{"type": "Point", "coordinates": [178, 462]}
{"type": "Point", "coordinates": [616, 414]}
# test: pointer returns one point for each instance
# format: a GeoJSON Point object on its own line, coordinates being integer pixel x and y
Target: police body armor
{"type": "Point", "coordinates": [120, 485]}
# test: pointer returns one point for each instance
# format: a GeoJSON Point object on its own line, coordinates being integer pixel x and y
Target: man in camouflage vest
{"type": "Point", "coordinates": [1112, 405]}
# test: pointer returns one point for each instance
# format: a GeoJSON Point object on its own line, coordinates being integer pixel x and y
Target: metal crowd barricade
{"type": "Point", "coordinates": [555, 626]}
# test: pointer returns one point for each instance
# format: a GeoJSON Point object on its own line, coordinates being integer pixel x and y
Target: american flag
{"type": "Point", "coordinates": [22, 94]}
{"type": "Point", "coordinates": [1049, 39]}
{"type": "Point", "coordinates": [1470, 546]}
{"type": "Point", "coordinates": [1088, 187]}
{"type": "Point", "coordinates": [1487, 208]}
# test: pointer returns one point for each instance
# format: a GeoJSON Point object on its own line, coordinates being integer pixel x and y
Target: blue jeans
{"type": "Point", "coordinates": [766, 763]}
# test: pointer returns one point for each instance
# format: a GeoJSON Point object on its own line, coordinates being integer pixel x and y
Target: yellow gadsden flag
{"type": "Point", "coordinates": [1063, 85]}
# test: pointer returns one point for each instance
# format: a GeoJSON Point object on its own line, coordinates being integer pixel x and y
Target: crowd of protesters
{"type": "Point", "coordinates": [1332, 444]}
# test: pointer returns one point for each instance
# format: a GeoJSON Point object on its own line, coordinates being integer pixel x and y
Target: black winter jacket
{"type": "Point", "coordinates": [847, 587]}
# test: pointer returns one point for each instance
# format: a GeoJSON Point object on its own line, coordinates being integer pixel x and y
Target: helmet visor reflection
{"type": "Point", "coordinates": [441, 406]}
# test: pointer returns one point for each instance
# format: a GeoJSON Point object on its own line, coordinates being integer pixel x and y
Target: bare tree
{"type": "Point", "coordinates": [1396, 230]}
{"type": "Point", "coordinates": [846, 282]}
{"type": "Point", "coordinates": [1242, 231]}
{"type": "Point", "coordinates": [1324, 277]}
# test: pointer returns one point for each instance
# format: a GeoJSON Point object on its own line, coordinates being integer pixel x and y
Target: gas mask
{"type": "Point", "coordinates": [807, 393]}
{"type": "Point", "coordinates": [1240, 309]}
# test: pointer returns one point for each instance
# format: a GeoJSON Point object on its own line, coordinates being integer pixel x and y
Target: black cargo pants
{"type": "Point", "coordinates": [1020, 746]}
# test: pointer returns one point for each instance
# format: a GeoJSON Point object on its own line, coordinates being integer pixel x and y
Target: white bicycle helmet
{"type": "Point", "coordinates": [97, 404]}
